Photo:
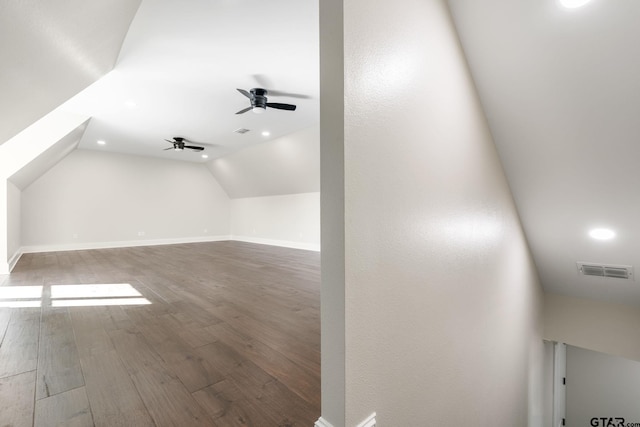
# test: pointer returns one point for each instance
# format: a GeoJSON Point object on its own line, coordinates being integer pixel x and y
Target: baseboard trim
{"type": "Point", "coordinates": [14, 259]}
{"type": "Point", "coordinates": [121, 244]}
{"type": "Point", "coordinates": [369, 422]}
{"type": "Point", "coordinates": [322, 423]}
{"type": "Point", "coordinates": [156, 242]}
{"type": "Point", "coordinates": [282, 243]}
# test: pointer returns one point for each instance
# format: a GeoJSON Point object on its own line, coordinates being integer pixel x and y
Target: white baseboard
{"type": "Point", "coordinates": [14, 259]}
{"type": "Point", "coordinates": [322, 423]}
{"type": "Point", "coordinates": [120, 244]}
{"type": "Point", "coordinates": [155, 242]}
{"type": "Point", "coordinates": [369, 422]}
{"type": "Point", "coordinates": [283, 243]}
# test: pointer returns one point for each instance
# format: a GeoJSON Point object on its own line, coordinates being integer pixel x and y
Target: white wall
{"type": "Point", "coordinates": [14, 240]}
{"type": "Point", "coordinates": [332, 303]}
{"type": "Point", "coordinates": [274, 187]}
{"type": "Point", "coordinates": [25, 155]}
{"type": "Point", "coordinates": [547, 384]}
{"type": "Point", "coordinates": [291, 220]}
{"type": "Point", "coordinates": [594, 325]}
{"type": "Point", "coordinates": [286, 165]}
{"type": "Point", "coordinates": [600, 385]}
{"type": "Point", "coordinates": [442, 298]}
{"type": "Point", "coordinates": [103, 198]}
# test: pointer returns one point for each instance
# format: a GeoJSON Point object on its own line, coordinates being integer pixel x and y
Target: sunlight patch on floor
{"type": "Point", "coordinates": [81, 295]}
{"type": "Point", "coordinates": [101, 302]}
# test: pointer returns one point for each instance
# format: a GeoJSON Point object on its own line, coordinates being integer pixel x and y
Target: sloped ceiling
{"type": "Point", "coordinates": [52, 50]}
{"type": "Point", "coordinates": [179, 69]}
{"type": "Point", "coordinates": [561, 91]}
{"type": "Point", "coordinates": [47, 159]}
{"type": "Point", "coordinates": [285, 165]}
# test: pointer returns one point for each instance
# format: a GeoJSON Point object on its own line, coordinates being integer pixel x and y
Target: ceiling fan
{"type": "Point", "coordinates": [179, 144]}
{"type": "Point", "coordinates": [259, 104]}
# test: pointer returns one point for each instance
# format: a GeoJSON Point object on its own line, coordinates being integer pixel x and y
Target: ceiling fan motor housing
{"type": "Point", "coordinates": [259, 98]}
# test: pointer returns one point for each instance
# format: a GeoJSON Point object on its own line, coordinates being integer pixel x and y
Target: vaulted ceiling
{"type": "Point", "coordinates": [561, 92]}
{"type": "Point", "coordinates": [181, 65]}
{"type": "Point", "coordinates": [52, 50]}
{"type": "Point", "coordinates": [559, 87]}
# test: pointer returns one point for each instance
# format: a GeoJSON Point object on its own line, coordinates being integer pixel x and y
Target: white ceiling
{"type": "Point", "coordinates": [179, 68]}
{"type": "Point", "coordinates": [561, 90]}
{"type": "Point", "coordinates": [52, 50]}
{"type": "Point", "coordinates": [559, 87]}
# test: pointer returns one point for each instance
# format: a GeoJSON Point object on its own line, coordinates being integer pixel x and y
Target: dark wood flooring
{"type": "Point", "coordinates": [231, 338]}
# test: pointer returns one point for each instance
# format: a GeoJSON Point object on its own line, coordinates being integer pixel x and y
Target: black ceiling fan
{"type": "Point", "coordinates": [179, 144]}
{"type": "Point", "coordinates": [259, 104]}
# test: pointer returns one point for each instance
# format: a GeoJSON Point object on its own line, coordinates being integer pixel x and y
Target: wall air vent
{"type": "Point", "coordinates": [603, 270]}
{"type": "Point", "coordinates": [241, 130]}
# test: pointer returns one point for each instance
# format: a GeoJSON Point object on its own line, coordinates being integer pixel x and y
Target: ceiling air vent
{"type": "Point", "coordinates": [602, 270]}
{"type": "Point", "coordinates": [241, 130]}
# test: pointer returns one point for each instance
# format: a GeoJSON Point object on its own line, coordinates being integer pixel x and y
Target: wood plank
{"type": "Point", "coordinates": [19, 351]}
{"type": "Point", "coordinates": [279, 405]}
{"type": "Point", "coordinates": [192, 333]}
{"type": "Point", "coordinates": [167, 399]}
{"type": "Point", "coordinates": [114, 399]}
{"type": "Point", "coordinates": [168, 342]}
{"type": "Point", "coordinates": [69, 409]}
{"type": "Point", "coordinates": [89, 330]}
{"type": "Point", "coordinates": [58, 361]}
{"type": "Point", "coordinates": [194, 370]}
{"type": "Point", "coordinates": [232, 336]}
{"type": "Point", "coordinates": [201, 314]}
{"type": "Point", "coordinates": [5, 317]}
{"type": "Point", "coordinates": [226, 405]}
{"type": "Point", "coordinates": [16, 400]}
{"type": "Point", "coordinates": [116, 318]}
{"type": "Point", "coordinates": [304, 355]}
{"type": "Point", "coordinates": [302, 382]}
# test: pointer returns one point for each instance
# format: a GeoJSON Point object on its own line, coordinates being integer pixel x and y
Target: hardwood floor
{"type": "Point", "coordinates": [230, 337]}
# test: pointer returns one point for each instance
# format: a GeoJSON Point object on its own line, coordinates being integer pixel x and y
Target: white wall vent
{"type": "Point", "coordinates": [603, 270]}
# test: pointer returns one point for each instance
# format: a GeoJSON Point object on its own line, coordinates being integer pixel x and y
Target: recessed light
{"type": "Point", "coordinates": [266, 133]}
{"type": "Point", "coordinates": [204, 156]}
{"type": "Point", "coordinates": [602, 234]}
{"type": "Point", "coordinates": [573, 4]}
{"type": "Point", "coordinates": [101, 142]}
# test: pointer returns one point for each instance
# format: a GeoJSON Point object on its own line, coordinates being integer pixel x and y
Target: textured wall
{"type": "Point", "coordinates": [104, 197]}
{"type": "Point", "coordinates": [601, 386]}
{"type": "Point", "coordinates": [292, 220]}
{"type": "Point", "coordinates": [594, 325]}
{"type": "Point", "coordinates": [332, 210]}
{"type": "Point", "coordinates": [442, 299]}
{"type": "Point", "coordinates": [13, 219]}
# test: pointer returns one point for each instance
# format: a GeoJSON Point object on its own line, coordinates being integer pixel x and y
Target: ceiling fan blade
{"type": "Point", "coordinates": [262, 80]}
{"type": "Point", "coordinates": [244, 92]}
{"type": "Point", "coordinates": [290, 95]}
{"type": "Point", "coordinates": [244, 111]}
{"type": "Point", "coordinates": [170, 142]}
{"type": "Point", "coordinates": [208, 144]}
{"type": "Point", "coordinates": [194, 148]}
{"type": "Point", "coordinates": [289, 107]}
{"type": "Point", "coordinates": [170, 148]}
